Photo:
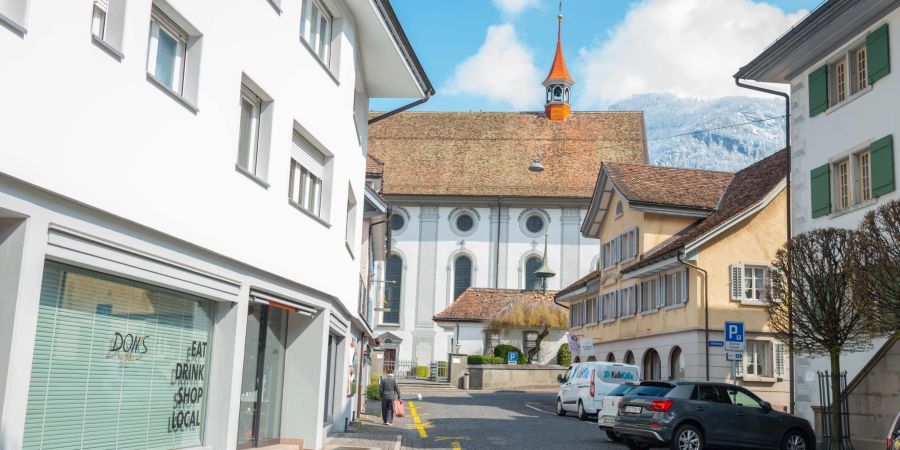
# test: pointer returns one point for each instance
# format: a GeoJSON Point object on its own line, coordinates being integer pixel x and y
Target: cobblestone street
{"type": "Point", "coordinates": [476, 420]}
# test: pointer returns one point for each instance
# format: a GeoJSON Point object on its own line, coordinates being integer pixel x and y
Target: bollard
{"type": "Point", "coordinates": [466, 381]}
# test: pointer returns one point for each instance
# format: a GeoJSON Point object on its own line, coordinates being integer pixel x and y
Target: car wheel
{"type": "Point", "coordinates": [611, 435]}
{"type": "Point", "coordinates": [634, 445]}
{"type": "Point", "coordinates": [794, 440]}
{"type": "Point", "coordinates": [687, 437]}
{"type": "Point", "coordinates": [581, 414]}
{"type": "Point", "coordinates": [559, 409]}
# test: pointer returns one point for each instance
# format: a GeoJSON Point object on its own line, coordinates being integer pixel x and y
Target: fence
{"type": "Point", "coordinates": [409, 369]}
{"type": "Point", "coordinates": [827, 411]}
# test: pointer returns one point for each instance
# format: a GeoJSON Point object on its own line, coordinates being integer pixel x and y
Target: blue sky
{"type": "Point", "coordinates": [492, 54]}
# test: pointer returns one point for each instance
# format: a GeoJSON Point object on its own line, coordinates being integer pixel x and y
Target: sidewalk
{"type": "Point", "coordinates": [367, 432]}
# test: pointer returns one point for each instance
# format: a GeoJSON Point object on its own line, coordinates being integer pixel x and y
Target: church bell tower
{"type": "Point", "coordinates": [558, 81]}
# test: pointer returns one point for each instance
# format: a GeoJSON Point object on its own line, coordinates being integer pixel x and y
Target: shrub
{"type": "Point", "coordinates": [564, 356]}
{"type": "Point", "coordinates": [373, 391]}
{"type": "Point", "coordinates": [502, 349]}
{"type": "Point", "coordinates": [422, 371]}
{"type": "Point", "coordinates": [374, 378]}
{"type": "Point", "coordinates": [475, 360]}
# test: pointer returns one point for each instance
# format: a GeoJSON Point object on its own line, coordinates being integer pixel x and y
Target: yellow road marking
{"type": "Point", "coordinates": [417, 420]}
{"type": "Point", "coordinates": [451, 438]}
{"type": "Point", "coordinates": [455, 445]}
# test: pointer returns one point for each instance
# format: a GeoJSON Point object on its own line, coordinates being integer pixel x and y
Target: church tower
{"type": "Point", "coordinates": [558, 82]}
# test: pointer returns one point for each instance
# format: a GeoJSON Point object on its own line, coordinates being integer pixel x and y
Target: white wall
{"type": "Point", "coordinates": [849, 126]}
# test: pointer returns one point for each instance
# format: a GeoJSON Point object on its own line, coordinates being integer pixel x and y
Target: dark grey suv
{"type": "Point", "coordinates": [691, 415]}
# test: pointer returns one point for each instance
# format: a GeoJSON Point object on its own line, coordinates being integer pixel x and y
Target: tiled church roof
{"type": "Point", "coordinates": [488, 153]}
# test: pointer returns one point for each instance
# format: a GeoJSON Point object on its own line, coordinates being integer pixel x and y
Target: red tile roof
{"type": "Point", "coordinates": [669, 186]}
{"type": "Point", "coordinates": [583, 281]}
{"type": "Point", "coordinates": [749, 186]}
{"type": "Point", "coordinates": [374, 167]}
{"type": "Point", "coordinates": [488, 153]}
{"type": "Point", "coordinates": [483, 304]}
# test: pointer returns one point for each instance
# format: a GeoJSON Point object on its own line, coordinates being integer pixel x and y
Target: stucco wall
{"type": "Point", "coordinates": [499, 377]}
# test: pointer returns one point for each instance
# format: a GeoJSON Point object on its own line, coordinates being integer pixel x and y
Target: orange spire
{"type": "Point", "coordinates": [558, 70]}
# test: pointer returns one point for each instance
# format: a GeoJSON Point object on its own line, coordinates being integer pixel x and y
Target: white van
{"type": "Point", "coordinates": [585, 384]}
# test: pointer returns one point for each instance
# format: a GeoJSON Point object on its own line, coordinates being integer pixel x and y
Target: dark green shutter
{"type": "Point", "coordinates": [820, 190]}
{"type": "Point", "coordinates": [818, 91]}
{"type": "Point", "coordinates": [878, 56]}
{"type": "Point", "coordinates": [882, 165]}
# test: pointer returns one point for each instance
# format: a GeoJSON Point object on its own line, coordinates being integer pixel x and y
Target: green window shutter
{"type": "Point", "coordinates": [878, 56]}
{"type": "Point", "coordinates": [820, 189]}
{"type": "Point", "coordinates": [882, 166]}
{"type": "Point", "coordinates": [818, 91]}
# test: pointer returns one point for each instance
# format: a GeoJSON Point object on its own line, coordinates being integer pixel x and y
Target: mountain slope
{"type": "Point", "coordinates": [669, 119]}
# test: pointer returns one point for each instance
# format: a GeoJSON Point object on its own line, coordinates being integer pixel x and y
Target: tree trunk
{"type": "Point", "coordinates": [537, 344]}
{"type": "Point", "coordinates": [837, 432]}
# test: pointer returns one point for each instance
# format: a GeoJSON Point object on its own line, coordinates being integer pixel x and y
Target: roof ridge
{"type": "Point", "coordinates": [513, 112]}
{"type": "Point", "coordinates": [654, 166]}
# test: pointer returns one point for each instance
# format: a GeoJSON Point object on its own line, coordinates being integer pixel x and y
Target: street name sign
{"type": "Point", "coordinates": [716, 343]}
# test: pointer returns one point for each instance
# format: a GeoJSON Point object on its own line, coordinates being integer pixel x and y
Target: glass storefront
{"type": "Point", "coordinates": [117, 364]}
{"type": "Point", "coordinates": [261, 386]}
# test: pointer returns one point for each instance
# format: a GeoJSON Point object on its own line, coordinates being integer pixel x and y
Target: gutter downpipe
{"type": "Point", "coordinates": [402, 108]}
{"type": "Point", "coordinates": [787, 147]}
{"type": "Point", "coordinates": [705, 306]}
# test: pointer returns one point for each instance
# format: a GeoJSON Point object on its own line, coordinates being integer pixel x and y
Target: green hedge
{"type": "Point", "coordinates": [475, 360]}
{"type": "Point", "coordinates": [502, 349]}
{"type": "Point", "coordinates": [373, 391]}
{"type": "Point", "coordinates": [564, 356]}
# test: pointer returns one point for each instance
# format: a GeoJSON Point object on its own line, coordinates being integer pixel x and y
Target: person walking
{"type": "Point", "coordinates": [389, 393]}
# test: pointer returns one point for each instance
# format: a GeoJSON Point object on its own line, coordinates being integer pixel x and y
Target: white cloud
{"type": "Point", "coordinates": [690, 48]}
{"type": "Point", "coordinates": [502, 70]}
{"type": "Point", "coordinates": [513, 7]}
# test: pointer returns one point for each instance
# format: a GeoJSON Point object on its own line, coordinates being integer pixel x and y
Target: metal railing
{"type": "Point", "coordinates": [827, 411]}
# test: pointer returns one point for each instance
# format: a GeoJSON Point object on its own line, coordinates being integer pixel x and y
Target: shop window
{"type": "Point", "coordinates": [126, 363]}
{"type": "Point", "coordinates": [259, 419]}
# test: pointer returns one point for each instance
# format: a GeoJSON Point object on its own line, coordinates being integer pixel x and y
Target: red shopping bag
{"type": "Point", "coordinates": [398, 408]}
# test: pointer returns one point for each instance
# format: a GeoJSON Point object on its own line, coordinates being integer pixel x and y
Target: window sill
{"type": "Point", "coordinates": [671, 307]}
{"type": "Point", "coordinates": [650, 311]}
{"type": "Point", "coordinates": [388, 325]}
{"type": "Point", "coordinates": [107, 47]}
{"type": "Point", "coordinates": [251, 176]}
{"type": "Point", "coordinates": [628, 317]}
{"type": "Point", "coordinates": [752, 303]}
{"type": "Point", "coordinates": [855, 96]}
{"type": "Point", "coordinates": [319, 60]}
{"type": "Point", "coordinates": [178, 97]}
{"type": "Point", "coordinates": [16, 27]}
{"type": "Point", "coordinates": [853, 208]}
{"type": "Point", "coordinates": [608, 321]}
{"type": "Point", "coordinates": [309, 214]}
{"type": "Point", "coordinates": [758, 379]}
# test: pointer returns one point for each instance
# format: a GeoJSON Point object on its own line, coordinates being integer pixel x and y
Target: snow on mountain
{"type": "Point", "coordinates": [728, 149]}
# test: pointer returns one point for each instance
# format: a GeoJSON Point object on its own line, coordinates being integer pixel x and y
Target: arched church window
{"type": "Point", "coordinates": [393, 275]}
{"type": "Point", "coordinates": [462, 275]}
{"type": "Point", "coordinates": [532, 282]}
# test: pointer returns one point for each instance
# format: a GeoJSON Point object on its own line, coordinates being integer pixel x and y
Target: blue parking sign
{"type": "Point", "coordinates": [512, 358]}
{"type": "Point", "coordinates": [734, 336]}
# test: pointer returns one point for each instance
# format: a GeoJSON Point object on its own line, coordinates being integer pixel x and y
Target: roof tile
{"type": "Point", "coordinates": [669, 186]}
{"type": "Point", "coordinates": [483, 304]}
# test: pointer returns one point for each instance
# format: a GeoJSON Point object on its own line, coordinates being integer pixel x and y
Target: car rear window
{"type": "Point", "coordinates": [621, 390]}
{"type": "Point", "coordinates": [651, 390]}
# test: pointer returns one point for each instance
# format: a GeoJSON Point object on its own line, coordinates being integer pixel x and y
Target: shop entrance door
{"type": "Point", "coordinates": [259, 422]}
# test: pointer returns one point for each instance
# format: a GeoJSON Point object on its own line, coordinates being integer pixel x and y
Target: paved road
{"type": "Point", "coordinates": [472, 420]}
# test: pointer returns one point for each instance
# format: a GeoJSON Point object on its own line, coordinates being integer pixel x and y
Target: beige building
{"type": "Point", "coordinates": [682, 252]}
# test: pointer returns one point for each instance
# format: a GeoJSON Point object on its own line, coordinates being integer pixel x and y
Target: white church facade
{"type": "Point", "coordinates": [468, 211]}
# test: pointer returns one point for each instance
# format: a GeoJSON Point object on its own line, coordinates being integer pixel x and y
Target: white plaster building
{"type": "Point", "coordinates": [844, 91]}
{"type": "Point", "coordinates": [180, 209]}
{"type": "Point", "coordinates": [466, 210]}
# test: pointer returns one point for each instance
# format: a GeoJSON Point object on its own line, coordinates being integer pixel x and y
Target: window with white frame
{"type": "Point", "coordinates": [620, 248]}
{"type": "Point", "coordinates": [649, 294]}
{"type": "Point", "coordinates": [608, 307]}
{"type": "Point", "coordinates": [852, 180]}
{"type": "Point", "coordinates": [591, 306]}
{"type": "Point", "coordinates": [307, 175]}
{"type": "Point", "coordinates": [749, 282]}
{"type": "Point", "coordinates": [98, 21]}
{"type": "Point", "coordinates": [676, 288]}
{"type": "Point", "coordinates": [248, 139]}
{"type": "Point", "coordinates": [628, 301]}
{"type": "Point", "coordinates": [577, 314]}
{"type": "Point", "coordinates": [847, 75]}
{"type": "Point", "coordinates": [315, 29]}
{"type": "Point", "coordinates": [756, 358]}
{"type": "Point", "coordinates": [167, 51]}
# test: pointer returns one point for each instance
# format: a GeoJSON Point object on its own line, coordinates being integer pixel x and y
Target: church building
{"type": "Point", "coordinates": [473, 197]}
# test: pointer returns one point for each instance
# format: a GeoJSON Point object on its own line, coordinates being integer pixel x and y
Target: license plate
{"type": "Point", "coordinates": [633, 409]}
{"type": "Point", "coordinates": [608, 419]}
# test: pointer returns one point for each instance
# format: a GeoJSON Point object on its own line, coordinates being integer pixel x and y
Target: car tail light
{"type": "Point", "coordinates": [661, 405]}
{"type": "Point", "coordinates": [592, 383]}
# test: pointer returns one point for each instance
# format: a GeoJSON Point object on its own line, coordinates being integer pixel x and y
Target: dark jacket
{"type": "Point", "coordinates": [389, 389]}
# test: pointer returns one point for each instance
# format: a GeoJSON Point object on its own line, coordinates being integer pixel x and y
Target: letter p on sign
{"type": "Point", "coordinates": [734, 336]}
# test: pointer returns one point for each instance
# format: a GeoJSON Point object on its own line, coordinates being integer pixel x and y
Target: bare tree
{"type": "Point", "coordinates": [811, 306]}
{"type": "Point", "coordinates": [877, 278]}
{"type": "Point", "coordinates": [541, 314]}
